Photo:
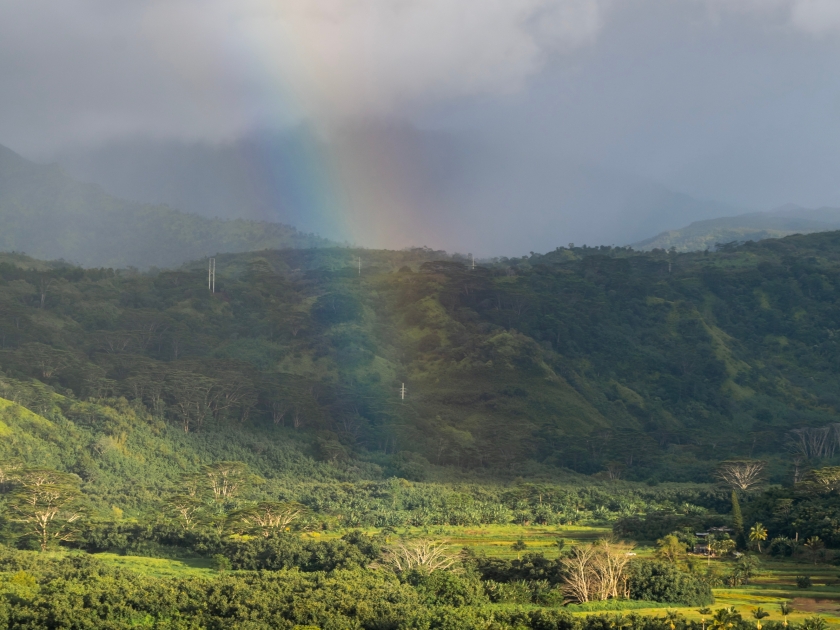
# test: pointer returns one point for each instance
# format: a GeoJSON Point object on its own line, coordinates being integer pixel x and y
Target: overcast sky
{"type": "Point", "coordinates": [732, 100]}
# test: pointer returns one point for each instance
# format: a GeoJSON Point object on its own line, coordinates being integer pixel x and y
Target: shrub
{"type": "Point", "coordinates": [804, 581]}
{"type": "Point", "coordinates": [663, 582]}
{"type": "Point", "coordinates": [446, 588]}
{"type": "Point", "coordinates": [220, 563]}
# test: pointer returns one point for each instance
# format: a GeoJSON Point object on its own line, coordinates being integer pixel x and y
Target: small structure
{"type": "Point", "coordinates": [701, 547]}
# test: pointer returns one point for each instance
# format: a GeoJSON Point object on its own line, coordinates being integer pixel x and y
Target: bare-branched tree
{"type": "Point", "coordinates": [421, 553]}
{"type": "Point", "coordinates": [743, 474]}
{"type": "Point", "coordinates": [579, 582]}
{"type": "Point", "coordinates": [270, 516]}
{"type": "Point", "coordinates": [825, 479]}
{"type": "Point", "coordinates": [596, 572]}
{"type": "Point", "coordinates": [46, 503]}
{"type": "Point", "coordinates": [226, 479]}
{"type": "Point", "coordinates": [186, 508]}
{"type": "Point", "coordinates": [815, 442]}
{"type": "Point", "coordinates": [9, 471]}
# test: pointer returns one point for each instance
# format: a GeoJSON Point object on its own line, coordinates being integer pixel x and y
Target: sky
{"type": "Point", "coordinates": [563, 119]}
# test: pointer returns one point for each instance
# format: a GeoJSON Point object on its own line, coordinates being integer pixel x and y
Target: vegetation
{"type": "Point", "coordinates": [174, 458]}
{"type": "Point", "coordinates": [755, 226]}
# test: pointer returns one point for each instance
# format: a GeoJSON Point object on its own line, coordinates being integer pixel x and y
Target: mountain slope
{"type": "Point", "coordinates": [51, 216]}
{"type": "Point", "coordinates": [591, 359]}
{"type": "Point", "coordinates": [755, 226]}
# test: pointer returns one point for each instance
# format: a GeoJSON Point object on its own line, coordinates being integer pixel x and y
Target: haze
{"type": "Point", "coordinates": [492, 126]}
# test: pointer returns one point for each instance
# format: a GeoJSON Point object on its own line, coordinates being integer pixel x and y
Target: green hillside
{"type": "Point", "coordinates": [172, 458]}
{"type": "Point", "coordinates": [755, 226]}
{"type": "Point", "coordinates": [50, 216]}
{"type": "Point", "coordinates": [587, 359]}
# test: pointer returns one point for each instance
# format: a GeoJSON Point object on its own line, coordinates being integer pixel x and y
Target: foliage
{"type": "Point", "coordinates": [574, 359]}
{"type": "Point", "coordinates": [419, 556]}
{"type": "Point", "coordinates": [663, 582]}
{"type": "Point", "coordinates": [45, 504]}
{"type": "Point", "coordinates": [596, 572]}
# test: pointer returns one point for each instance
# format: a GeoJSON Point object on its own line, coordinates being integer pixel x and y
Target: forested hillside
{"type": "Point", "coordinates": [48, 215]}
{"type": "Point", "coordinates": [639, 366]}
{"type": "Point", "coordinates": [176, 458]}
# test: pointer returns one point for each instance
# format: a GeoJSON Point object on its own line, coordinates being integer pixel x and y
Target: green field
{"type": "Point", "coordinates": [774, 584]}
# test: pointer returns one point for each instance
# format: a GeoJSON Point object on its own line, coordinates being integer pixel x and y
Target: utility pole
{"type": "Point", "coordinates": [211, 275]}
{"type": "Point", "coordinates": [402, 392]}
{"type": "Point", "coordinates": [360, 265]}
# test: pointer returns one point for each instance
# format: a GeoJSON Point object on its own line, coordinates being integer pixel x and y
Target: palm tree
{"type": "Point", "coordinates": [758, 533]}
{"type": "Point", "coordinates": [725, 618]}
{"type": "Point", "coordinates": [672, 618]}
{"type": "Point", "coordinates": [785, 608]}
{"type": "Point", "coordinates": [758, 614]}
{"type": "Point", "coordinates": [814, 623]}
{"type": "Point", "coordinates": [815, 545]}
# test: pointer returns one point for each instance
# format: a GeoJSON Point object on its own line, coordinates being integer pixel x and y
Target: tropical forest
{"type": "Point", "coordinates": [342, 438]}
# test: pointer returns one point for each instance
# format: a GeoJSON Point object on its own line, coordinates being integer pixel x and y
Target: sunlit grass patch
{"type": "Point", "coordinates": [159, 567]}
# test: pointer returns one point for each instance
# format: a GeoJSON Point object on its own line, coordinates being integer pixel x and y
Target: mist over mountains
{"type": "Point", "coordinates": [165, 203]}
{"type": "Point", "coordinates": [755, 226]}
{"type": "Point", "coordinates": [47, 214]}
{"type": "Point", "coordinates": [396, 185]}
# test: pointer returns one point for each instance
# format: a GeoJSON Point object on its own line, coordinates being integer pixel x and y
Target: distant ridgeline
{"type": "Point", "coordinates": [631, 365]}
{"type": "Point", "coordinates": [48, 215]}
{"type": "Point", "coordinates": [755, 226]}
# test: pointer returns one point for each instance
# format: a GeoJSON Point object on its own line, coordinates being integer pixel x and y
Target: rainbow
{"type": "Point", "coordinates": [342, 182]}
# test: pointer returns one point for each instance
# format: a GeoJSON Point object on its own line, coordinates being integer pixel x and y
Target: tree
{"type": "Point", "coordinates": [785, 608]}
{"type": "Point", "coordinates": [596, 571]}
{"type": "Point", "coordinates": [269, 516]}
{"type": "Point", "coordinates": [46, 360]}
{"type": "Point", "coordinates": [226, 479]}
{"type": "Point", "coordinates": [758, 533]}
{"type": "Point", "coordinates": [745, 569]}
{"type": "Point", "coordinates": [190, 396]}
{"type": "Point", "coordinates": [670, 548]}
{"type": "Point", "coordinates": [814, 545]}
{"type": "Point", "coordinates": [825, 479]}
{"type": "Point", "coordinates": [9, 472]}
{"type": "Point", "coordinates": [758, 614]}
{"type": "Point", "coordinates": [422, 554]}
{"type": "Point", "coordinates": [814, 623]}
{"type": "Point", "coordinates": [46, 503]}
{"type": "Point", "coordinates": [185, 507]}
{"type": "Point", "coordinates": [579, 579]}
{"type": "Point", "coordinates": [725, 618]}
{"type": "Point", "coordinates": [743, 475]}
{"type": "Point", "coordinates": [609, 564]}
{"type": "Point", "coordinates": [234, 390]}
{"type": "Point", "coordinates": [737, 517]}
{"type": "Point", "coordinates": [722, 546]}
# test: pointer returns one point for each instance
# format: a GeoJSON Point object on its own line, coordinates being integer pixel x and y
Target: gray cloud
{"type": "Point", "coordinates": [736, 100]}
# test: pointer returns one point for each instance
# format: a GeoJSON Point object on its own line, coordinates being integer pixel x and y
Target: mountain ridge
{"type": "Point", "coordinates": [49, 215]}
{"type": "Point", "coordinates": [752, 226]}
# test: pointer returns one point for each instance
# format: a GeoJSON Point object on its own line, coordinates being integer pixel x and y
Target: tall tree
{"type": "Point", "coordinates": [227, 479]}
{"type": "Point", "coordinates": [46, 503]}
{"type": "Point", "coordinates": [737, 517]}
{"type": "Point", "coordinates": [758, 533]}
